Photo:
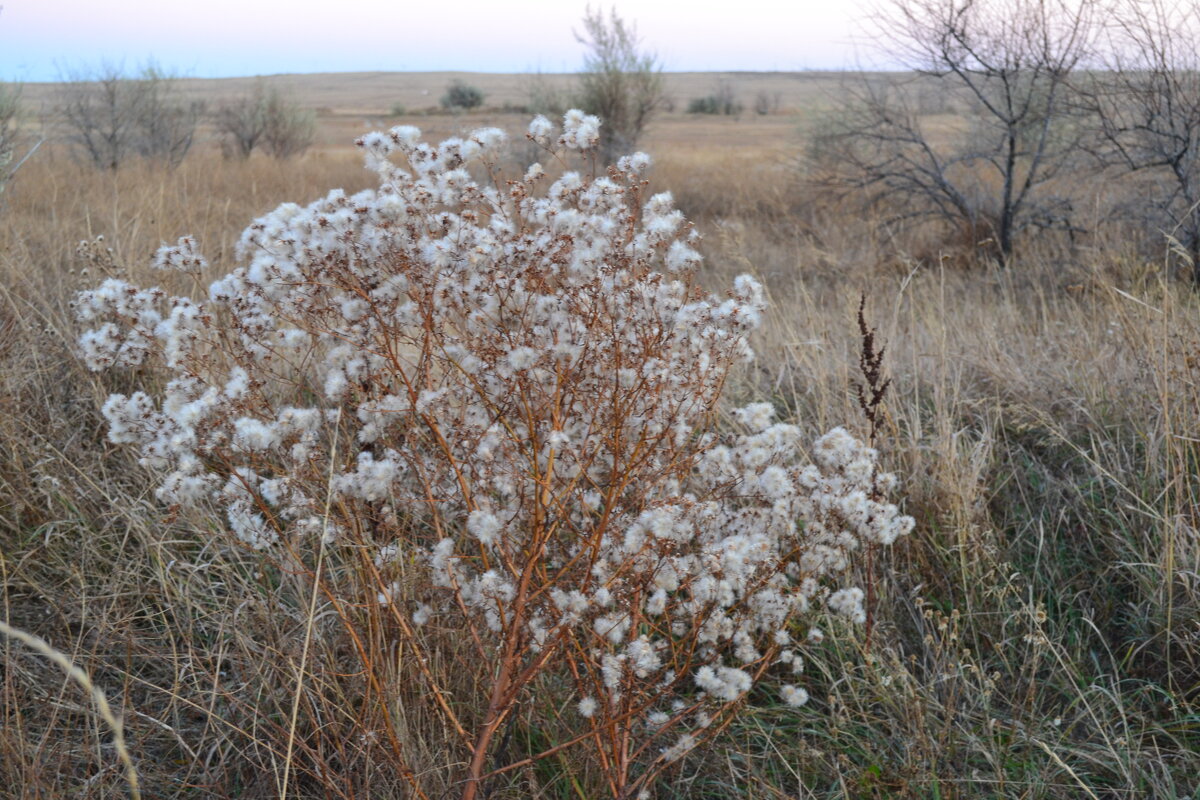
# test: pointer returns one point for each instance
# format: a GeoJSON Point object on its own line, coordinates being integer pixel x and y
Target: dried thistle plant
{"type": "Point", "coordinates": [478, 415]}
{"type": "Point", "coordinates": [870, 363]}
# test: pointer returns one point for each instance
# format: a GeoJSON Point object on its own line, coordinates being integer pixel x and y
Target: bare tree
{"type": "Point", "coordinates": [99, 110]}
{"type": "Point", "coordinates": [12, 137]}
{"type": "Point", "coordinates": [10, 108]}
{"type": "Point", "coordinates": [620, 83]}
{"type": "Point", "coordinates": [111, 117]}
{"type": "Point", "coordinates": [10, 134]}
{"type": "Point", "coordinates": [1008, 64]}
{"type": "Point", "coordinates": [241, 123]}
{"type": "Point", "coordinates": [1147, 106]}
{"type": "Point", "coordinates": [545, 95]}
{"type": "Point", "coordinates": [268, 120]}
{"type": "Point", "coordinates": [164, 123]}
{"type": "Point", "coordinates": [290, 128]}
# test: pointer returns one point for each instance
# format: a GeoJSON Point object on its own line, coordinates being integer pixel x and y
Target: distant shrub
{"type": "Point", "coordinates": [241, 124]}
{"type": "Point", "coordinates": [766, 103]}
{"type": "Point", "coordinates": [397, 110]}
{"type": "Point", "coordinates": [462, 96]}
{"type": "Point", "coordinates": [484, 417]}
{"type": "Point", "coordinates": [545, 97]}
{"type": "Point", "coordinates": [721, 101]}
{"type": "Point", "coordinates": [267, 120]}
{"type": "Point", "coordinates": [290, 128]}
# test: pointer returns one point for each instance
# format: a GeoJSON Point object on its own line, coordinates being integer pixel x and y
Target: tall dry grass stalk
{"type": "Point", "coordinates": [80, 677]}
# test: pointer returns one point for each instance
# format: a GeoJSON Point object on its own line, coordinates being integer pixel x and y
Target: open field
{"type": "Point", "coordinates": [1036, 636]}
{"type": "Point", "coordinates": [374, 93]}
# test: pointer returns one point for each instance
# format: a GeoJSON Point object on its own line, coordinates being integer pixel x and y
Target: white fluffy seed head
{"type": "Point", "coordinates": [793, 695]}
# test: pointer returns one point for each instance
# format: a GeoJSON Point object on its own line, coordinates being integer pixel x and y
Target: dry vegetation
{"type": "Point", "coordinates": [1037, 636]}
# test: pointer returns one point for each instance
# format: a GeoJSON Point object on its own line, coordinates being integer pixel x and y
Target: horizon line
{"type": "Point", "coordinates": [185, 77]}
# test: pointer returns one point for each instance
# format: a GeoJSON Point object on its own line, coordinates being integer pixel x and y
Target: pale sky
{"type": "Point", "coordinates": [42, 39]}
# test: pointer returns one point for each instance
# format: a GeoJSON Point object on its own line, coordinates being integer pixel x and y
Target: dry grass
{"type": "Point", "coordinates": [366, 93]}
{"type": "Point", "coordinates": [1037, 637]}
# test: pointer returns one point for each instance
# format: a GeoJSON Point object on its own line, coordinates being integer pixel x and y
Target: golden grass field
{"type": "Point", "coordinates": [1037, 636]}
{"type": "Point", "coordinates": [374, 93]}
